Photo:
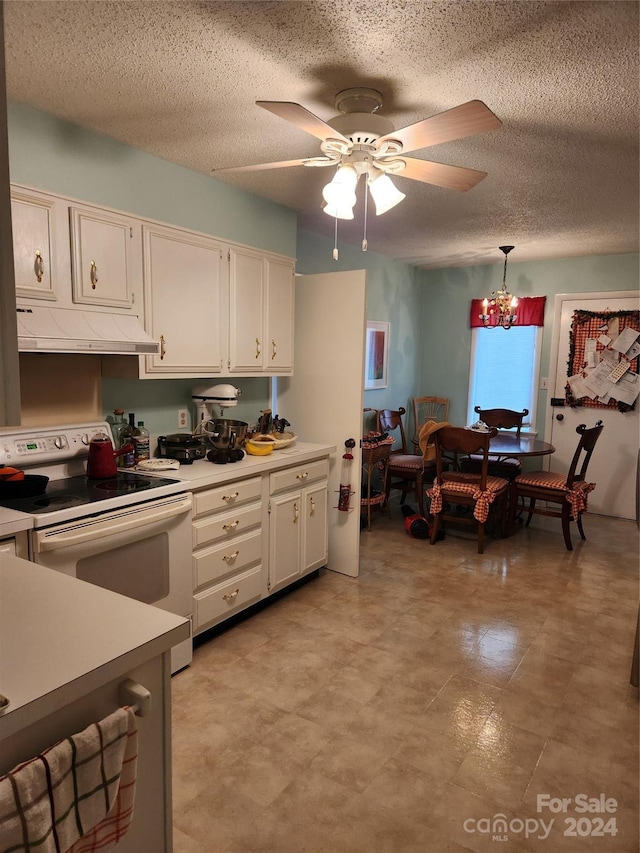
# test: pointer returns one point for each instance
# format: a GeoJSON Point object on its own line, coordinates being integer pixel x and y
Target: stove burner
{"type": "Point", "coordinates": [122, 485]}
{"type": "Point", "coordinates": [50, 504]}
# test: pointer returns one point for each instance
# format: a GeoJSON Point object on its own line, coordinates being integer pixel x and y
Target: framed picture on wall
{"type": "Point", "coordinates": [376, 364]}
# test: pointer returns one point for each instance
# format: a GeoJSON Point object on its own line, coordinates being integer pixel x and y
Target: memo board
{"type": "Point", "coordinates": [590, 325]}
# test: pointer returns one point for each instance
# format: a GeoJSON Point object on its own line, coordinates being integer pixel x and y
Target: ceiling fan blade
{"type": "Point", "coordinates": [259, 167]}
{"type": "Point", "coordinates": [302, 118]}
{"type": "Point", "coordinates": [465, 120]}
{"type": "Point", "coordinates": [450, 177]}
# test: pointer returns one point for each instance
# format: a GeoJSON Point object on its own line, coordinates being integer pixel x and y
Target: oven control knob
{"type": "Point", "coordinates": [85, 438]}
{"type": "Point", "coordinates": [58, 442]}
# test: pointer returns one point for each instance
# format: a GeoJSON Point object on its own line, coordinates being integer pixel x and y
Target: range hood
{"type": "Point", "coordinates": [44, 329]}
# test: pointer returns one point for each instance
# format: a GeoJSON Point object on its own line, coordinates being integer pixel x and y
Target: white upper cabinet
{"type": "Point", "coordinates": [101, 257]}
{"type": "Point", "coordinates": [279, 319]}
{"type": "Point", "coordinates": [183, 293]}
{"type": "Point", "coordinates": [34, 243]}
{"type": "Point", "coordinates": [260, 313]}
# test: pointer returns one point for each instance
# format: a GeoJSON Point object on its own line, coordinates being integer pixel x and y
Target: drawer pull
{"type": "Point", "coordinates": [312, 506]}
{"type": "Point", "coordinates": [296, 513]}
{"type": "Point", "coordinates": [93, 275]}
{"type": "Point", "coordinates": [230, 595]}
{"type": "Point", "coordinates": [38, 266]}
{"type": "Point", "coordinates": [302, 476]}
{"type": "Point", "coordinates": [231, 557]}
{"type": "Point", "coordinates": [230, 498]}
{"type": "Point", "coordinates": [231, 526]}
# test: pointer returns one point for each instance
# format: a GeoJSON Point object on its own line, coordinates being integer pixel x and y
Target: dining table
{"type": "Point", "coordinates": [507, 445]}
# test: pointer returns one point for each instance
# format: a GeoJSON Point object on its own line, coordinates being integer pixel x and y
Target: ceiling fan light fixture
{"type": "Point", "coordinates": [385, 193]}
{"type": "Point", "coordinates": [338, 211]}
{"type": "Point", "coordinates": [340, 190]}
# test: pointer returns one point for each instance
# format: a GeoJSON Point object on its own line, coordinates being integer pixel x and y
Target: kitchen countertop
{"type": "Point", "coordinates": [202, 473]}
{"type": "Point", "coordinates": [13, 522]}
{"type": "Point", "coordinates": [61, 638]}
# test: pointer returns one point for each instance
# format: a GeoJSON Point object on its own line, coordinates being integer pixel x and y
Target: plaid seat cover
{"type": "Point", "coordinates": [483, 499]}
{"type": "Point", "coordinates": [409, 463]}
{"type": "Point", "coordinates": [577, 496]}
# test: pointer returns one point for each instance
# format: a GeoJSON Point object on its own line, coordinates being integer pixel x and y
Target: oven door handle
{"type": "Point", "coordinates": [98, 529]}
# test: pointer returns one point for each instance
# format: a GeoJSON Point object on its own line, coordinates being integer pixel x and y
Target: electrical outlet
{"type": "Point", "coordinates": [182, 418]}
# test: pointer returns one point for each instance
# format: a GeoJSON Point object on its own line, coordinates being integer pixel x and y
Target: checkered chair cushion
{"type": "Point", "coordinates": [408, 463]}
{"type": "Point", "coordinates": [557, 485]}
{"type": "Point", "coordinates": [468, 485]}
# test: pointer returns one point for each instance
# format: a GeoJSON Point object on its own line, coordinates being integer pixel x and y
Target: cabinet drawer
{"type": "Point", "coordinates": [235, 556]}
{"type": "Point", "coordinates": [226, 526]}
{"type": "Point", "coordinates": [227, 598]}
{"type": "Point", "coordinates": [300, 475]}
{"type": "Point", "coordinates": [226, 497]}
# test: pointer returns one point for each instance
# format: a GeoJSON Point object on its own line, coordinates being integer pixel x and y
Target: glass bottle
{"type": "Point", "coordinates": [125, 436]}
{"type": "Point", "coordinates": [141, 442]}
{"type": "Point", "coordinates": [118, 423]}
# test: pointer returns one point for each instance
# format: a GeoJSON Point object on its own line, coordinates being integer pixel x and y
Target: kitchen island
{"type": "Point", "coordinates": [66, 646]}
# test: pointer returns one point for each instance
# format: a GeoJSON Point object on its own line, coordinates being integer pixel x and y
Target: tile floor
{"type": "Point", "coordinates": [424, 705]}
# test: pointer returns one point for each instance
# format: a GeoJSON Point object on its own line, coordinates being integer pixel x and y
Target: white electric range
{"type": "Point", "coordinates": [130, 533]}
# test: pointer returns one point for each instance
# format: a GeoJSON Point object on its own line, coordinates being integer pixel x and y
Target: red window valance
{"type": "Point", "coordinates": [530, 311]}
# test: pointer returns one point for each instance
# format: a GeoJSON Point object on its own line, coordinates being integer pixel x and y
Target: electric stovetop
{"type": "Point", "coordinates": [78, 491]}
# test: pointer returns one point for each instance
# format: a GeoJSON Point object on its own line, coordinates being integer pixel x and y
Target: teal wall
{"type": "Point", "coordinates": [445, 313]}
{"type": "Point", "coordinates": [394, 295]}
{"type": "Point", "coordinates": [51, 154]}
{"type": "Point", "coordinates": [427, 309]}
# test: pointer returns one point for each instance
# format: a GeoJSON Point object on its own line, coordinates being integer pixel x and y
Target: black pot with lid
{"type": "Point", "coordinates": [181, 446]}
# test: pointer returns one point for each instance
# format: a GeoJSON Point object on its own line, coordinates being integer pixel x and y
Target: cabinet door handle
{"type": "Point", "coordinates": [230, 595]}
{"type": "Point", "coordinates": [163, 347]}
{"type": "Point", "coordinates": [302, 476]}
{"type": "Point", "coordinates": [274, 349]}
{"type": "Point", "coordinates": [230, 498]}
{"type": "Point", "coordinates": [296, 513]}
{"type": "Point", "coordinates": [94, 275]}
{"type": "Point", "coordinates": [231, 526]}
{"type": "Point", "coordinates": [229, 558]}
{"type": "Point", "coordinates": [258, 348]}
{"type": "Point", "coordinates": [38, 266]}
{"type": "Point", "coordinates": [312, 506]}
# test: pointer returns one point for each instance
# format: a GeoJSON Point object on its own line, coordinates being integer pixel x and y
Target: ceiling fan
{"type": "Point", "coordinates": [360, 142]}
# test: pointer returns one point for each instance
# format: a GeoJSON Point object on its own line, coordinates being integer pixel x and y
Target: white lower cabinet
{"type": "Point", "coordinates": [227, 550]}
{"type": "Point", "coordinates": [297, 522]}
{"type": "Point", "coordinates": [255, 536]}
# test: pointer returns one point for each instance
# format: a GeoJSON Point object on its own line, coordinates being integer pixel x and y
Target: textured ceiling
{"type": "Point", "coordinates": [180, 80]}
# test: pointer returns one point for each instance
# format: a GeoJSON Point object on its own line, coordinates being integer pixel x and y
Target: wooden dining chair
{"type": "Point", "coordinates": [405, 471]}
{"type": "Point", "coordinates": [428, 409]}
{"type": "Point", "coordinates": [482, 492]}
{"type": "Point", "coordinates": [501, 419]}
{"type": "Point", "coordinates": [569, 490]}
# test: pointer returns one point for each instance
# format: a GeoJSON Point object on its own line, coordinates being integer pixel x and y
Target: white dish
{"type": "Point", "coordinates": [283, 439]}
{"type": "Point", "coordinates": [158, 465]}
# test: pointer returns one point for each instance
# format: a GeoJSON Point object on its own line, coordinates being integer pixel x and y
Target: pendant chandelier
{"type": "Point", "coordinates": [499, 309]}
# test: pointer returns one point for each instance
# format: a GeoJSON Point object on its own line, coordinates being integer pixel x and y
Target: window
{"type": "Point", "coordinates": [505, 365]}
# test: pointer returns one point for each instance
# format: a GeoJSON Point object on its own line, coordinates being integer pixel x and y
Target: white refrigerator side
{"type": "Point", "coordinates": [323, 400]}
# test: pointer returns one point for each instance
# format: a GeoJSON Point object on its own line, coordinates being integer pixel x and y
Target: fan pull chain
{"type": "Point", "coordinates": [335, 241]}
{"type": "Point", "coordinates": [366, 208]}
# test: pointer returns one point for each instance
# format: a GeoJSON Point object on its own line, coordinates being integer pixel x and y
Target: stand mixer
{"type": "Point", "coordinates": [222, 434]}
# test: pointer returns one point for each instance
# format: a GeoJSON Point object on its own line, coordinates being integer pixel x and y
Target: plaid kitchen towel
{"type": "Point", "coordinates": [75, 797]}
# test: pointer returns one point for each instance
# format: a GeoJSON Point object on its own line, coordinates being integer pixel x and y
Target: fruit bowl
{"type": "Point", "coordinates": [283, 439]}
{"type": "Point", "coordinates": [260, 445]}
